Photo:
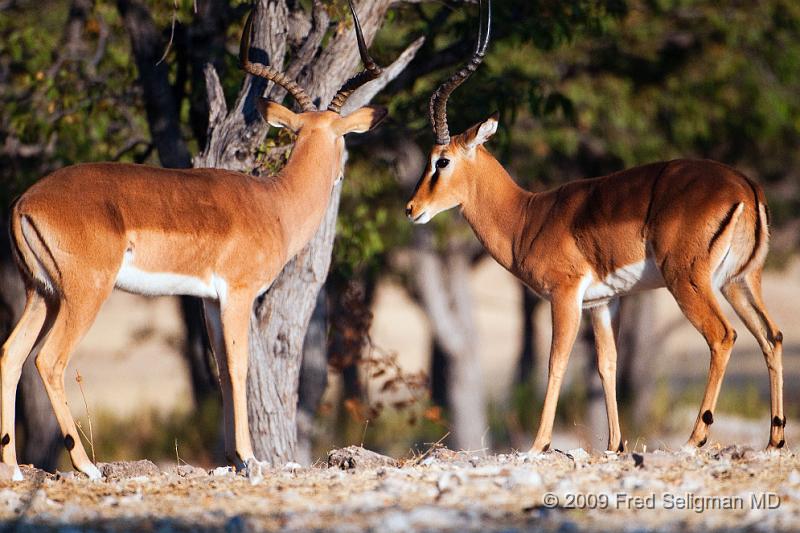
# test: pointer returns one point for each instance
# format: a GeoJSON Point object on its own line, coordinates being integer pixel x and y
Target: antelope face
{"type": "Point", "coordinates": [448, 176]}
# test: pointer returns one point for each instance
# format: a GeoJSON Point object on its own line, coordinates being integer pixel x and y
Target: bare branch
{"type": "Point", "coordinates": [217, 108]}
{"type": "Point", "coordinates": [171, 32]}
{"type": "Point", "coordinates": [367, 92]}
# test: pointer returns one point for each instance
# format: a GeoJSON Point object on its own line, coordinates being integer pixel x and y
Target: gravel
{"type": "Point", "coordinates": [715, 489]}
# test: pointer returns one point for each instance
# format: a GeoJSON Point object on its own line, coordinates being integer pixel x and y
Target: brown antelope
{"type": "Point", "coordinates": [689, 226]}
{"type": "Point", "coordinates": [216, 234]}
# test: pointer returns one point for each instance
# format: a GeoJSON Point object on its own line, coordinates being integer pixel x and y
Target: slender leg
{"type": "Point", "coordinates": [697, 301]}
{"type": "Point", "coordinates": [744, 296]}
{"type": "Point", "coordinates": [236, 326]}
{"type": "Point", "coordinates": [17, 348]}
{"type": "Point", "coordinates": [214, 325]}
{"type": "Point", "coordinates": [566, 311]}
{"type": "Point", "coordinates": [72, 320]}
{"type": "Point", "coordinates": [605, 322]}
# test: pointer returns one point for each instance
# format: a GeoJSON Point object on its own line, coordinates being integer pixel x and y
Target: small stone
{"type": "Point", "coordinates": [189, 471]}
{"type": "Point", "coordinates": [223, 471]}
{"type": "Point", "coordinates": [292, 467]}
{"type": "Point", "coordinates": [579, 455]}
{"type": "Point", "coordinates": [356, 457]}
{"type": "Point", "coordinates": [119, 470]}
{"type": "Point", "coordinates": [70, 475]}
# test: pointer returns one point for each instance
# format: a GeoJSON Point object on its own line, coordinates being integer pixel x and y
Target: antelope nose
{"type": "Point", "coordinates": [409, 209]}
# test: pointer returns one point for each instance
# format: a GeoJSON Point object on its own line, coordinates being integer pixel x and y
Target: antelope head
{"type": "Point", "coordinates": [321, 131]}
{"type": "Point", "coordinates": [453, 163]}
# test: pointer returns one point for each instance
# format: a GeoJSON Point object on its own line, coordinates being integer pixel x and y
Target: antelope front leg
{"type": "Point", "coordinates": [566, 312]}
{"type": "Point", "coordinates": [605, 322]}
{"type": "Point", "coordinates": [233, 375]}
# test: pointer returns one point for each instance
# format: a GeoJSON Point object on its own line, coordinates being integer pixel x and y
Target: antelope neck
{"type": "Point", "coordinates": [495, 207]}
{"type": "Point", "coordinates": [302, 189]}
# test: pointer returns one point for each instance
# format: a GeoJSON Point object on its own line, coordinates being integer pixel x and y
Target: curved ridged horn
{"type": "Point", "coordinates": [438, 103]}
{"type": "Point", "coordinates": [268, 72]}
{"type": "Point", "coordinates": [370, 72]}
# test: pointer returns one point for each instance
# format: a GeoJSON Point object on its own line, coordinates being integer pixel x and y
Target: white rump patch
{"type": "Point", "coordinates": [132, 279]}
{"type": "Point", "coordinates": [640, 276]}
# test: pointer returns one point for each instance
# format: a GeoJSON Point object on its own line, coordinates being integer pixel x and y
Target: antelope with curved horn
{"type": "Point", "coordinates": [84, 230]}
{"type": "Point", "coordinates": [689, 226]}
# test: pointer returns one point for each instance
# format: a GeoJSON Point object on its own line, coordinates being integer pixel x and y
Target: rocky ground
{"type": "Point", "coordinates": [356, 490]}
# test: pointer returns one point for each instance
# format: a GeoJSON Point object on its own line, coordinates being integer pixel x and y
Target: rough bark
{"type": "Point", "coordinates": [442, 281]}
{"type": "Point", "coordinates": [280, 318]}
{"type": "Point", "coordinates": [638, 348]}
{"type": "Point", "coordinates": [313, 378]}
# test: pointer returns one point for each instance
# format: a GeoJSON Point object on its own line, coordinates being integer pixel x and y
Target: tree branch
{"type": "Point", "coordinates": [364, 94]}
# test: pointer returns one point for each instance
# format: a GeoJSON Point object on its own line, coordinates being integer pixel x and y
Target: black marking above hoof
{"type": "Point", "coordinates": [708, 418]}
{"type": "Point", "coordinates": [702, 442]}
{"type": "Point", "coordinates": [778, 422]}
{"type": "Point", "coordinates": [735, 335]}
{"type": "Point", "coordinates": [621, 448]}
{"type": "Point", "coordinates": [781, 444]}
{"type": "Point", "coordinates": [546, 447]}
{"type": "Point", "coordinates": [638, 460]}
{"type": "Point", "coordinates": [779, 337]}
{"type": "Point", "coordinates": [6, 440]}
{"type": "Point", "coordinates": [69, 443]}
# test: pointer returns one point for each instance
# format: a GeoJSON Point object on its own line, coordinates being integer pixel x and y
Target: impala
{"type": "Point", "coordinates": [86, 229]}
{"type": "Point", "coordinates": [689, 226]}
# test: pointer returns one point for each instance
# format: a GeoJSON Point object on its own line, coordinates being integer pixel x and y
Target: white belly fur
{"type": "Point", "coordinates": [640, 276]}
{"type": "Point", "coordinates": [132, 279]}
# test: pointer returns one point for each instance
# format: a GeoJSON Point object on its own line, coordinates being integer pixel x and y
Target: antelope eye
{"type": "Point", "coordinates": [443, 162]}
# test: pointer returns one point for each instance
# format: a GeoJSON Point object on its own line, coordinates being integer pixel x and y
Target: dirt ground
{"type": "Point", "coordinates": [441, 490]}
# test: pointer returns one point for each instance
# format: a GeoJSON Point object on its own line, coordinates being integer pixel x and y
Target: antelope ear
{"type": "Point", "coordinates": [278, 116]}
{"type": "Point", "coordinates": [481, 132]}
{"type": "Point", "coordinates": [360, 120]}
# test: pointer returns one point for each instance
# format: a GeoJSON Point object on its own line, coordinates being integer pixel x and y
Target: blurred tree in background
{"type": "Point", "coordinates": [584, 87]}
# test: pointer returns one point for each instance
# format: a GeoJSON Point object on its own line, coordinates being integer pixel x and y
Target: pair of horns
{"type": "Point", "coordinates": [438, 104]}
{"type": "Point", "coordinates": [370, 72]}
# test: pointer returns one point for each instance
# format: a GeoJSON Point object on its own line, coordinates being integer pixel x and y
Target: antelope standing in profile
{"type": "Point", "coordinates": [689, 226]}
{"type": "Point", "coordinates": [216, 234]}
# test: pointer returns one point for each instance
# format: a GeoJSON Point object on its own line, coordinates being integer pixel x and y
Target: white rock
{"type": "Point", "coordinates": [292, 467]}
{"type": "Point", "coordinates": [579, 455]}
{"type": "Point", "coordinates": [223, 471]}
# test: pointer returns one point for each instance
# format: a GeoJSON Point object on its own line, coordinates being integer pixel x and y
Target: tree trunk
{"type": "Point", "coordinates": [638, 348]}
{"type": "Point", "coordinates": [528, 356]}
{"type": "Point", "coordinates": [442, 281]}
{"type": "Point", "coordinates": [313, 378]}
{"type": "Point", "coordinates": [280, 318]}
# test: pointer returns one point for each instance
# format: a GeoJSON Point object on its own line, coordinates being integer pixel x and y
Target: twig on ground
{"type": "Point", "coordinates": [79, 379]}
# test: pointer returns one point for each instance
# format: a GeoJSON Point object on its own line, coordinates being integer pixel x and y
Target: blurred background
{"type": "Point", "coordinates": [584, 88]}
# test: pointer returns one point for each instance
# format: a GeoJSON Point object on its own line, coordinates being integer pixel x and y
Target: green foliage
{"type": "Point", "coordinates": [59, 105]}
